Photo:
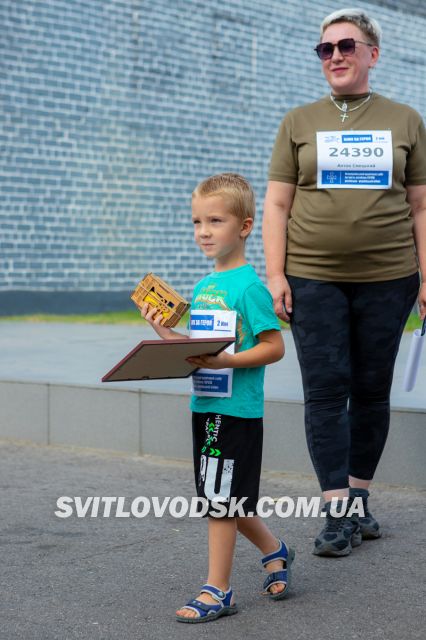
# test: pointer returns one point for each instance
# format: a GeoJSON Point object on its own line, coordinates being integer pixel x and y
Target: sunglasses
{"type": "Point", "coordinates": [346, 47]}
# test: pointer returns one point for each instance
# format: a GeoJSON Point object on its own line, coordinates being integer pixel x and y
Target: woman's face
{"type": "Point", "coordinates": [348, 74]}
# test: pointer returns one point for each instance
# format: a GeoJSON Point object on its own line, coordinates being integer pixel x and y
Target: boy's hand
{"type": "Point", "coordinates": [222, 361]}
{"type": "Point", "coordinates": [154, 317]}
{"type": "Point", "coordinates": [151, 314]}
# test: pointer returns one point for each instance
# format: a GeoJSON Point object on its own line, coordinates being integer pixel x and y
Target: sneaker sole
{"type": "Point", "coordinates": [330, 552]}
{"type": "Point", "coordinates": [356, 539]}
{"type": "Point", "coordinates": [371, 535]}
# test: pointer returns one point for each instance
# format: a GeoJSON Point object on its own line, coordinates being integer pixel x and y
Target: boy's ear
{"type": "Point", "coordinates": [246, 227]}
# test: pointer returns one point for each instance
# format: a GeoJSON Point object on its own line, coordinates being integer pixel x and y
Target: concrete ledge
{"type": "Point", "coordinates": [90, 417]}
{"type": "Point", "coordinates": [24, 411]}
{"type": "Point", "coordinates": [403, 460]}
{"type": "Point", "coordinates": [135, 421]}
{"type": "Point", "coordinates": [166, 425]}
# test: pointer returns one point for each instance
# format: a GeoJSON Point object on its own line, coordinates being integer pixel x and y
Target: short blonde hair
{"type": "Point", "coordinates": [369, 26]}
{"type": "Point", "coordinates": [235, 189]}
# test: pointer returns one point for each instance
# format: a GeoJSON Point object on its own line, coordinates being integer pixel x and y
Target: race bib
{"type": "Point", "coordinates": [213, 324]}
{"type": "Point", "coordinates": [354, 159]}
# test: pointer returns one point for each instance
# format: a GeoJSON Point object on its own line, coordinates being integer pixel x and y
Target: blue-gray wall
{"type": "Point", "coordinates": [112, 111]}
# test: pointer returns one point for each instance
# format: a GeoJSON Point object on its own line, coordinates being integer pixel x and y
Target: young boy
{"type": "Point", "coordinates": [227, 423]}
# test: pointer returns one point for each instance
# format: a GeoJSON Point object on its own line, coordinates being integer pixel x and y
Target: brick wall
{"type": "Point", "coordinates": [112, 111]}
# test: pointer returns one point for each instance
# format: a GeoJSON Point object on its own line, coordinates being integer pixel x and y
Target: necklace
{"type": "Point", "coordinates": [344, 108]}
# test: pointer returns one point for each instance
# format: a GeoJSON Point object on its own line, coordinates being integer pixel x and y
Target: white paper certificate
{"type": "Point", "coordinates": [354, 159]}
{"type": "Point", "coordinates": [205, 323]}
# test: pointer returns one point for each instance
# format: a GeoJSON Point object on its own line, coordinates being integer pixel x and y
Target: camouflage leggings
{"type": "Point", "coordinates": [347, 337]}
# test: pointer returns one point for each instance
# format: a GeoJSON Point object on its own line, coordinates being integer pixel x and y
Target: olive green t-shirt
{"type": "Point", "coordinates": [350, 234]}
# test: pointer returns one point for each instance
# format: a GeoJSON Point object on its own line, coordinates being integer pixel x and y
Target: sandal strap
{"type": "Point", "coordinates": [280, 554]}
{"type": "Point", "coordinates": [217, 594]}
{"type": "Point", "coordinates": [277, 577]}
{"type": "Point", "coordinates": [202, 608]}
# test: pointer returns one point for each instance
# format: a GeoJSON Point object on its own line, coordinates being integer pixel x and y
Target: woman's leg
{"type": "Point", "coordinates": [380, 311]}
{"type": "Point", "coordinates": [320, 326]}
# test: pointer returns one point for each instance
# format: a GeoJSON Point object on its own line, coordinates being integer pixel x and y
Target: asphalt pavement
{"type": "Point", "coordinates": [123, 577]}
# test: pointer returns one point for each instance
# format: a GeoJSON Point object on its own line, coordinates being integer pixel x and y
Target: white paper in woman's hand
{"type": "Point", "coordinates": [413, 362]}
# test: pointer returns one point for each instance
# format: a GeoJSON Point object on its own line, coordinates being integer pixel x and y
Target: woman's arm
{"type": "Point", "coordinates": [278, 202]}
{"type": "Point", "coordinates": [416, 196]}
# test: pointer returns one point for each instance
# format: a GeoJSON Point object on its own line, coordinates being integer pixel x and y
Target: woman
{"type": "Point", "coordinates": [345, 235]}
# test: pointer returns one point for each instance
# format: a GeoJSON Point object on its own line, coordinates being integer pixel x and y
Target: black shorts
{"type": "Point", "coordinates": [227, 460]}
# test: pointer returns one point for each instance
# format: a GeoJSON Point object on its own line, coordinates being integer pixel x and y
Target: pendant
{"type": "Point", "coordinates": [344, 108]}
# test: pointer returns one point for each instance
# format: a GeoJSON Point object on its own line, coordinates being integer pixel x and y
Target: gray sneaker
{"type": "Point", "coordinates": [339, 535]}
{"type": "Point", "coordinates": [370, 528]}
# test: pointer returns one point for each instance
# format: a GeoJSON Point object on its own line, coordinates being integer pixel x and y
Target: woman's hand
{"type": "Point", "coordinates": [281, 294]}
{"type": "Point", "coordinates": [278, 204]}
{"type": "Point", "coordinates": [222, 361]}
{"type": "Point", "coordinates": [416, 196]}
{"type": "Point", "coordinates": [422, 301]}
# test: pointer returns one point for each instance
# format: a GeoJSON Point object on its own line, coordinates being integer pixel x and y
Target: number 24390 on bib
{"type": "Point", "coordinates": [354, 159]}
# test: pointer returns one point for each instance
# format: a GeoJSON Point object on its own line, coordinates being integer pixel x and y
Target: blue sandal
{"type": "Point", "coordinates": [279, 577]}
{"type": "Point", "coordinates": [208, 612]}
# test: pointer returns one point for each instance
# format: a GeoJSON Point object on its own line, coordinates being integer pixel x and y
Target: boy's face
{"type": "Point", "coordinates": [219, 234]}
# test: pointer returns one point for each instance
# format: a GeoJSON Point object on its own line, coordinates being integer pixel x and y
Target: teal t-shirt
{"type": "Point", "coordinates": [239, 290]}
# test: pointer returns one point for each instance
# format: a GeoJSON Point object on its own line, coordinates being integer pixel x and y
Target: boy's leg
{"type": "Point", "coordinates": [222, 536]}
{"type": "Point", "coordinates": [227, 460]}
{"type": "Point", "coordinates": [255, 530]}
{"type": "Point", "coordinates": [233, 473]}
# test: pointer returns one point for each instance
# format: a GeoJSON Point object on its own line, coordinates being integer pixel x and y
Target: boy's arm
{"type": "Point", "coordinates": [269, 349]}
{"type": "Point", "coordinates": [154, 317]}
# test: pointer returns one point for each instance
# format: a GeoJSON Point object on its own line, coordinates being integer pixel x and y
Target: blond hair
{"type": "Point", "coordinates": [235, 189]}
{"type": "Point", "coordinates": [369, 26]}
